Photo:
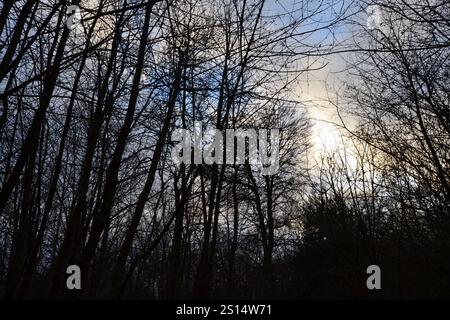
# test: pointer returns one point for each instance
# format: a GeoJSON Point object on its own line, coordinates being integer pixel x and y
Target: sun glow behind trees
{"type": "Point", "coordinates": [87, 178]}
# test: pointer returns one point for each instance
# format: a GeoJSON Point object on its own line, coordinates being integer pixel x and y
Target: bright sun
{"type": "Point", "coordinates": [326, 137]}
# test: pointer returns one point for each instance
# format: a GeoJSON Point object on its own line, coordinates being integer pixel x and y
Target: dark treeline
{"type": "Point", "coordinates": [88, 177]}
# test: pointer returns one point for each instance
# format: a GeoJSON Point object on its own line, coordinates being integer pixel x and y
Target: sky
{"type": "Point", "coordinates": [316, 87]}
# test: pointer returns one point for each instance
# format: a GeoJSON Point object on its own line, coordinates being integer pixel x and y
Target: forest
{"type": "Point", "coordinates": [100, 99]}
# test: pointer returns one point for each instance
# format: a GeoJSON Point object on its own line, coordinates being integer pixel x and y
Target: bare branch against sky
{"type": "Point", "coordinates": [224, 149]}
